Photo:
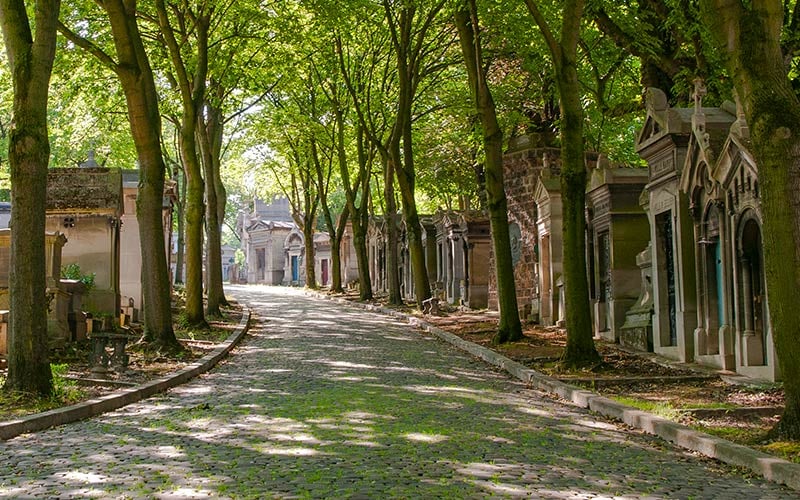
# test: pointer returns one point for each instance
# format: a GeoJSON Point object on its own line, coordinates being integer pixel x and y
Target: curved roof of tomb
{"type": "Point", "coordinates": [81, 189]}
{"type": "Point", "coordinates": [270, 225]}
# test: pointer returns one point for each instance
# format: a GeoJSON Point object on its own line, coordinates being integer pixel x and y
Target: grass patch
{"type": "Point", "coordinates": [212, 334]}
{"type": "Point", "coordinates": [788, 450]}
{"type": "Point", "coordinates": [660, 408]}
{"type": "Point", "coordinates": [65, 392]}
{"type": "Point", "coordinates": [710, 405]}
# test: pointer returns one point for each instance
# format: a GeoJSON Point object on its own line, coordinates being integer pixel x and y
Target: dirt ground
{"type": "Point", "coordinates": [700, 397]}
{"type": "Point", "coordinates": [77, 381]}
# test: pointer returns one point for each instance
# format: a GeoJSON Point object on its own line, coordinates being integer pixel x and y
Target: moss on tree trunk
{"type": "Point", "coordinates": [31, 63]}
{"type": "Point", "coordinates": [751, 37]}
{"type": "Point", "coordinates": [510, 328]}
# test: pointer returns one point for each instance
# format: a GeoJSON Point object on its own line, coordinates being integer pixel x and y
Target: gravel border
{"type": "Point", "coordinates": [770, 467]}
{"type": "Point", "coordinates": [122, 397]}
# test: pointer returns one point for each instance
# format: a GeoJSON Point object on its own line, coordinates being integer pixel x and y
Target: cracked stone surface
{"type": "Point", "coordinates": [323, 400]}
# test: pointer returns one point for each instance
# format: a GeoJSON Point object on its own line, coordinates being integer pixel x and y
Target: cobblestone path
{"type": "Point", "coordinates": [326, 401]}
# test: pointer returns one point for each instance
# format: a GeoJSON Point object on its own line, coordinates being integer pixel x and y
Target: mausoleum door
{"type": "Point", "coordinates": [666, 270]}
{"type": "Point", "coordinates": [711, 289]}
{"type": "Point", "coordinates": [295, 268]}
{"type": "Point", "coordinates": [262, 264]}
{"type": "Point", "coordinates": [465, 288]}
{"type": "Point", "coordinates": [604, 265]}
{"type": "Point", "coordinates": [753, 294]}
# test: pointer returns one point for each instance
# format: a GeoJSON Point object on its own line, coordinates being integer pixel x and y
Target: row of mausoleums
{"type": "Point", "coordinates": [91, 223]}
{"type": "Point", "coordinates": [674, 251]}
{"type": "Point", "coordinates": [274, 248]}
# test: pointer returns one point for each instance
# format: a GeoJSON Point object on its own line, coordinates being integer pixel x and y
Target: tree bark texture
{"type": "Point", "coordinates": [750, 34]}
{"type": "Point", "coordinates": [210, 141]}
{"type": "Point", "coordinates": [31, 64]}
{"type": "Point", "coordinates": [180, 178]}
{"type": "Point", "coordinates": [136, 77]}
{"type": "Point", "coordinates": [390, 219]}
{"type": "Point", "coordinates": [408, 52]}
{"type": "Point", "coordinates": [360, 218]}
{"type": "Point", "coordinates": [335, 228]}
{"type": "Point", "coordinates": [192, 90]}
{"type": "Point", "coordinates": [580, 349]}
{"type": "Point", "coordinates": [510, 327]}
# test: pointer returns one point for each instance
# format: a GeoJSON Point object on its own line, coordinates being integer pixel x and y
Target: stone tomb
{"type": "Point", "coordinates": [85, 204]}
{"type": "Point", "coordinates": [662, 143]}
{"type": "Point", "coordinates": [720, 178]}
{"type": "Point", "coordinates": [463, 245]}
{"type": "Point", "coordinates": [617, 230]}
{"type": "Point", "coordinates": [59, 299]}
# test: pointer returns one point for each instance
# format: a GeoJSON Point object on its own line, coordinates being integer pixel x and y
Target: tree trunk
{"type": "Point", "coordinates": [136, 77]}
{"type": "Point", "coordinates": [390, 217]}
{"type": "Point", "coordinates": [194, 210]}
{"type": "Point", "coordinates": [751, 37]}
{"type": "Point", "coordinates": [181, 231]}
{"type": "Point", "coordinates": [310, 258]}
{"type": "Point", "coordinates": [510, 328]}
{"type": "Point", "coordinates": [580, 350]}
{"type": "Point", "coordinates": [31, 64]}
{"type": "Point", "coordinates": [210, 140]}
{"type": "Point", "coordinates": [422, 287]}
{"type": "Point", "coordinates": [336, 252]}
{"type": "Point", "coordinates": [192, 93]}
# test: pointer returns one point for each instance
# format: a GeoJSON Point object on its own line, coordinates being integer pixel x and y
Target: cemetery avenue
{"type": "Point", "coordinates": [323, 400]}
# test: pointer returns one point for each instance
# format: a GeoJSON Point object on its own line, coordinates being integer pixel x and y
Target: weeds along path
{"type": "Point", "coordinates": [328, 401]}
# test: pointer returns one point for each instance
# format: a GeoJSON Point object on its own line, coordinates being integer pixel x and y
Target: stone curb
{"type": "Point", "coordinates": [768, 466]}
{"type": "Point", "coordinates": [122, 397]}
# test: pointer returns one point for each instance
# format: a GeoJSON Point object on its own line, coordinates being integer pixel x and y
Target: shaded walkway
{"type": "Point", "coordinates": [327, 401]}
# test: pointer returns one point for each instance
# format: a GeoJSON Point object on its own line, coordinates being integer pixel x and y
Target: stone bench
{"type": "Point", "coordinates": [430, 306]}
{"type": "Point", "coordinates": [104, 361]}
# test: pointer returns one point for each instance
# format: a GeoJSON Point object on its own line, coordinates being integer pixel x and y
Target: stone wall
{"type": "Point", "coordinates": [521, 170]}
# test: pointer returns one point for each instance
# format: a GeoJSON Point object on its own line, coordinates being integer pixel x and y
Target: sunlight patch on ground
{"type": "Point", "coordinates": [168, 452]}
{"type": "Point", "coordinates": [499, 488]}
{"type": "Point", "coordinates": [365, 444]}
{"type": "Point", "coordinates": [426, 438]}
{"type": "Point", "coordinates": [498, 439]}
{"type": "Point", "coordinates": [190, 493]}
{"type": "Point", "coordinates": [597, 425]}
{"type": "Point", "coordinates": [290, 452]}
{"type": "Point", "coordinates": [296, 437]}
{"type": "Point", "coordinates": [534, 411]}
{"type": "Point", "coordinates": [84, 477]}
{"type": "Point", "coordinates": [354, 379]}
{"type": "Point", "coordinates": [193, 389]}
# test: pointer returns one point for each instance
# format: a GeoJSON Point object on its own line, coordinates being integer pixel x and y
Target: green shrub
{"type": "Point", "coordinates": [73, 272]}
{"type": "Point", "coordinates": [64, 390]}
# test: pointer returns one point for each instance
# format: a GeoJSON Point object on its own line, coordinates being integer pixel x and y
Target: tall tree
{"type": "Point", "coordinates": [370, 79]}
{"type": "Point", "coordinates": [749, 32]}
{"type": "Point", "coordinates": [210, 139]}
{"type": "Point", "coordinates": [31, 63]}
{"type": "Point", "coordinates": [191, 86]}
{"type": "Point", "coordinates": [580, 349]}
{"type": "Point", "coordinates": [510, 328]}
{"type": "Point", "coordinates": [135, 74]}
{"type": "Point", "coordinates": [410, 27]}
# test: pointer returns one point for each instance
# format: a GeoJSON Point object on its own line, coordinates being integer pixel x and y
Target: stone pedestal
{"type": "Point", "coordinates": [637, 331]}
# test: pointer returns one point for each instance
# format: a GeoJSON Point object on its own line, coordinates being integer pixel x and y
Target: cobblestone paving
{"type": "Point", "coordinates": [326, 401]}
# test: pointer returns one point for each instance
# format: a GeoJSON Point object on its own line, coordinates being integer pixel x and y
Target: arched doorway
{"type": "Point", "coordinates": [753, 305]}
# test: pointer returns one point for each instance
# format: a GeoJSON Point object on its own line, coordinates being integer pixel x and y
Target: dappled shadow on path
{"type": "Point", "coordinates": [326, 401]}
